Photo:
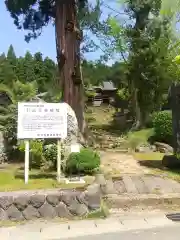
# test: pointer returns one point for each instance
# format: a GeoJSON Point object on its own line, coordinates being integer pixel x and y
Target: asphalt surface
{"type": "Point", "coordinates": [165, 233]}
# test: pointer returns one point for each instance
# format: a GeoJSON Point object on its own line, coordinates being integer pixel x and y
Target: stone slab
{"type": "Point", "coordinates": [140, 185]}
{"type": "Point", "coordinates": [129, 185]}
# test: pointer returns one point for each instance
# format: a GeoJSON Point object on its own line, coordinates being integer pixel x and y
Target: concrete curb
{"type": "Point", "coordinates": [125, 201]}
{"type": "Point", "coordinates": [49, 230]}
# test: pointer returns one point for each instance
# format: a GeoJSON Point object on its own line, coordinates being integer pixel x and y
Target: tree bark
{"type": "Point", "coordinates": [68, 56]}
{"type": "Point", "coordinates": [140, 23]}
{"type": "Point", "coordinates": [137, 111]}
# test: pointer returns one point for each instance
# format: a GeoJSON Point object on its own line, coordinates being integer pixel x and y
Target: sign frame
{"type": "Point", "coordinates": [23, 135]}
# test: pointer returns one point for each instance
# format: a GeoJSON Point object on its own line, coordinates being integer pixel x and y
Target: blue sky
{"type": "Point", "coordinates": [45, 43]}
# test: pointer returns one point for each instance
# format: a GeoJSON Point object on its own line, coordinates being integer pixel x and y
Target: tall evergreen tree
{"type": "Point", "coordinates": [37, 14]}
{"type": "Point", "coordinates": [11, 57]}
{"type": "Point", "coordinates": [7, 72]}
{"type": "Point", "coordinates": [28, 66]}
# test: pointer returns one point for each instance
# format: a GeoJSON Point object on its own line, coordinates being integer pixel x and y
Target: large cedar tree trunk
{"type": "Point", "coordinates": [68, 39]}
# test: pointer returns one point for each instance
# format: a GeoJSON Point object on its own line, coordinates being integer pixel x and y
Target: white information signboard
{"type": "Point", "coordinates": [42, 120]}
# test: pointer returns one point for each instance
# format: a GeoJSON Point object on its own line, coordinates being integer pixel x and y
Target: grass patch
{"type": "Point", "coordinates": [97, 116]}
{"type": "Point", "coordinates": [150, 160]}
{"type": "Point", "coordinates": [154, 156]}
{"type": "Point", "coordinates": [135, 138]}
{"type": "Point", "coordinates": [142, 135]}
{"type": "Point", "coordinates": [154, 162]}
{"type": "Point", "coordinates": [110, 172]}
{"type": "Point", "coordinates": [12, 179]}
{"type": "Point", "coordinates": [103, 212]}
{"type": "Point", "coordinates": [100, 120]}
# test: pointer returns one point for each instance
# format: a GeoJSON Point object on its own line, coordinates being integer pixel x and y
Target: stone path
{"type": "Point", "coordinates": [135, 179]}
{"type": "Point", "coordinates": [116, 162]}
{"type": "Point", "coordinates": [143, 192]}
{"type": "Point", "coordinates": [144, 184]}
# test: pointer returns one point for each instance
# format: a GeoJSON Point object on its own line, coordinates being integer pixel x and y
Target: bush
{"type": "Point", "coordinates": [86, 162]}
{"type": "Point", "coordinates": [50, 156]}
{"type": "Point", "coordinates": [134, 142]}
{"type": "Point", "coordinates": [8, 113]}
{"type": "Point", "coordinates": [162, 124]}
{"type": "Point", "coordinates": [36, 153]}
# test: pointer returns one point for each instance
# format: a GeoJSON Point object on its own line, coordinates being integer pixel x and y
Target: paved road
{"type": "Point", "coordinates": [166, 233]}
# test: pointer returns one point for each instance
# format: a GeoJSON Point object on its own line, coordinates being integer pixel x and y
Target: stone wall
{"type": "Point", "coordinates": [19, 206]}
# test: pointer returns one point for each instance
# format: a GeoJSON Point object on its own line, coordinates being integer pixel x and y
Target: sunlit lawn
{"type": "Point", "coordinates": [143, 134]}
{"type": "Point", "coordinates": [153, 161]}
{"type": "Point", "coordinates": [12, 179]}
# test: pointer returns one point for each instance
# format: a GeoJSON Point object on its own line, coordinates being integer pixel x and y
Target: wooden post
{"type": "Point", "coordinates": [59, 160]}
{"type": "Point", "coordinates": [26, 164]}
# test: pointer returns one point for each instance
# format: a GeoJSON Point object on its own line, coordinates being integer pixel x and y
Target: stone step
{"type": "Point", "coordinates": [143, 201]}
{"type": "Point", "coordinates": [144, 184]}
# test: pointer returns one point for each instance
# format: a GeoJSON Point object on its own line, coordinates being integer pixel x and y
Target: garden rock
{"type": "Point", "coordinates": [94, 189]}
{"type": "Point", "coordinates": [100, 179]}
{"type": "Point", "coordinates": [108, 188]}
{"type": "Point", "coordinates": [47, 211]}
{"type": "Point", "coordinates": [163, 147]}
{"type": "Point", "coordinates": [53, 199]}
{"type": "Point", "coordinates": [62, 211]}
{"type": "Point", "coordinates": [21, 202]}
{"type": "Point", "coordinates": [72, 129]}
{"type": "Point", "coordinates": [170, 161]}
{"type": "Point", "coordinates": [14, 214]}
{"type": "Point", "coordinates": [93, 201]}
{"type": "Point", "coordinates": [82, 198]}
{"type": "Point", "coordinates": [3, 215]}
{"type": "Point", "coordinates": [31, 213]}
{"type": "Point", "coordinates": [37, 200]}
{"type": "Point", "coordinates": [6, 201]}
{"type": "Point", "coordinates": [3, 156]}
{"type": "Point", "coordinates": [68, 197]}
{"type": "Point", "coordinates": [144, 148]}
{"type": "Point", "coordinates": [78, 209]}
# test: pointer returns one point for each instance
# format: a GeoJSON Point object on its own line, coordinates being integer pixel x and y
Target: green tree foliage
{"type": "Point", "coordinates": [162, 124]}
{"type": "Point", "coordinates": [7, 73]}
{"type": "Point", "coordinates": [31, 68]}
{"type": "Point", "coordinates": [8, 112]}
{"type": "Point", "coordinates": [148, 65]}
{"type": "Point", "coordinates": [38, 14]}
{"type": "Point", "coordinates": [169, 8]}
{"type": "Point", "coordinates": [11, 57]}
{"type": "Point", "coordinates": [28, 69]}
{"type": "Point", "coordinates": [94, 73]}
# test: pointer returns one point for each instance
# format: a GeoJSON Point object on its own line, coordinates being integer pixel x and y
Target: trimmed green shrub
{"type": "Point", "coordinates": [162, 124]}
{"type": "Point", "coordinates": [85, 162]}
